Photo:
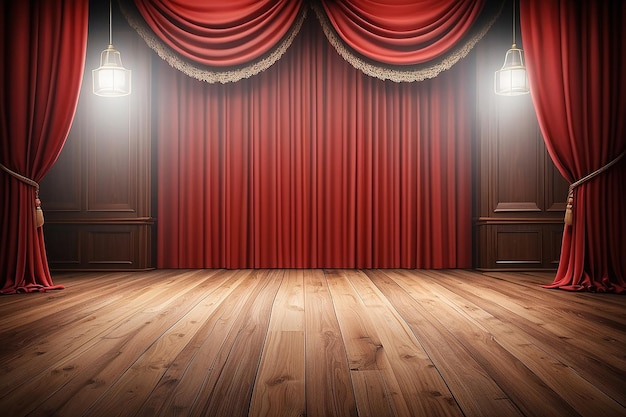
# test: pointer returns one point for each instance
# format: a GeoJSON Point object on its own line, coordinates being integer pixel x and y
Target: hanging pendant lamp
{"type": "Point", "coordinates": [511, 79]}
{"type": "Point", "coordinates": [111, 79]}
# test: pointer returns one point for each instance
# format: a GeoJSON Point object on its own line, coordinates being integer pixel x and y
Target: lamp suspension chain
{"type": "Point", "coordinates": [514, 43]}
{"type": "Point", "coordinates": [110, 23]}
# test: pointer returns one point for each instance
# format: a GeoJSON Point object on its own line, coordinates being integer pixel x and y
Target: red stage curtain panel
{"type": "Point", "coordinates": [313, 164]}
{"type": "Point", "coordinates": [43, 56]}
{"type": "Point", "coordinates": [576, 58]}
{"type": "Point", "coordinates": [220, 33]}
{"type": "Point", "coordinates": [402, 32]}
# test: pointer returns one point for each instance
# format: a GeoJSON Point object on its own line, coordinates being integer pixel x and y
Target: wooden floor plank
{"type": "Point", "coordinates": [233, 399]}
{"type": "Point", "coordinates": [527, 390]}
{"type": "Point", "coordinates": [559, 303]}
{"type": "Point", "coordinates": [530, 283]}
{"type": "Point", "coordinates": [39, 362]}
{"type": "Point", "coordinates": [28, 303]}
{"type": "Point", "coordinates": [596, 356]}
{"type": "Point", "coordinates": [328, 385]}
{"type": "Point", "coordinates": [186, 381]}
{"type": "Point", "coordinates": [136, 384]}
{"type": "Point", "coordinates": [562, 379]}
{"type": "Point", "coordinates": [86, 374]}
{"type": "Point", "coordinates": [364, 349]}
{"type": "Point", "coordinates": [59, 305]}
{"type": "Point", "coordinates": [476, 392]}
{"type": "Point", "coordinates": [336, 342]}
{"type": "Point", "coordinates": [421, 384]}
{"type": "Point", "coordinates": [279, 388]}
{"type": "Point", "coordinates": [372, 396]}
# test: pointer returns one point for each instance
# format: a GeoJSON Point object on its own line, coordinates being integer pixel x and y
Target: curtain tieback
{"type": "Point", "coordinates": [570, 194]}
{"type": "Point", "coordinates": [38, 211]}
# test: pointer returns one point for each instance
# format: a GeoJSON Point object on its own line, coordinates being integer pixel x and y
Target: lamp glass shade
{"type": "Point", "coordinates": [111, 79]}
{"type": "Point", "coordinates": [511, 79]}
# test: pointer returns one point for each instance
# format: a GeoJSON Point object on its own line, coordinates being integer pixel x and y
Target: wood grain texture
{"type": "Point", "coordinates": [279, 387]}
{"type": "Point", "coordinates": [312, 343]}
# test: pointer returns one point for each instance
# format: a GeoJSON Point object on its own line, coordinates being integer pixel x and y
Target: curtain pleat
{"type": "Point", "coordinates": [313, 164]}
{"type": "Point", "coordinates": [576, 62]}
{"type": "Point", "coordinates": [43, 56]}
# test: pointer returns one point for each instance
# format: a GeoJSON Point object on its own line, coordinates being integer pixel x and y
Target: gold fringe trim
{"type": "Point", "coordinates": [371, 68]}
{"type": "Point", "coordinates": [400, 73]}
{"type": "Point", "coordinates": [204, 73]}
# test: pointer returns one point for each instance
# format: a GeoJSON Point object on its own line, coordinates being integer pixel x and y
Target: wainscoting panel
{"type": "Point", "coordinates": [518, 245]}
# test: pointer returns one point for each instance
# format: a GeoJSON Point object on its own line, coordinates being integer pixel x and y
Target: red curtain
{"type": "Point", "coordinates": [220, 33]}
{"type": "Point", "coordinates": [43, 54]}
{"type": "Point", "coordinates": [402, 32]}
{"type": "Point", "coordinates": [576, 58]}
{"type": "Point", "coordinates": [313, 164]}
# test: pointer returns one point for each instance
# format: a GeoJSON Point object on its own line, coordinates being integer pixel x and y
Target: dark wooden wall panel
{"type": "Point", "coordinates": [63, 247]}
{"type": "Point", "coordinates": [99, 246]}
{"type": "Point", "coordinates": [112, 182]}
{"type": "Point", "coordinates": [556, 188]}
{"type": "Point", "coordinates": [111, 246]}
{"type": "Point", "coordinates": [67, 171]}
{"type": "Point", "coordinates": [519, 195]}
{"type": "Point", "coordinates": [97, 197]}
{"type": "Point", "coordinates": [517, 161]}
{"type": "Point", "coordinates": [554, 236]}
{"type": "Point", "coordinates": [519, 245]}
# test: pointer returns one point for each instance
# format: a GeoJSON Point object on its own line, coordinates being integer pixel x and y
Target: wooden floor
{"type": "Point", "coordinates": [311, 343]}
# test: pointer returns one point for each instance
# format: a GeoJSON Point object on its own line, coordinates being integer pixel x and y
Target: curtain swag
{"type": "Point", "coordinates": [407, 73]}
{"type": "Point", "coordinates": [219, 51]}
{"type": "Point", "coordinates": [199, 71]}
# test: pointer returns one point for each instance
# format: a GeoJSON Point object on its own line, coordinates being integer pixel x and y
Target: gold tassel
{"type": "Point", "coordinates": [38, 213]}
{"type": "Point", "coordinates": [569, 215]}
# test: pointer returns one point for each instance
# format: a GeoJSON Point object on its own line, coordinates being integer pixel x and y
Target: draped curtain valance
{"type": "Point", "coordinates": [402, 32]}
{"type": "Point", "coordinates": [220, 33]}
{"type": "Point", "coordinates": [217, 41]}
